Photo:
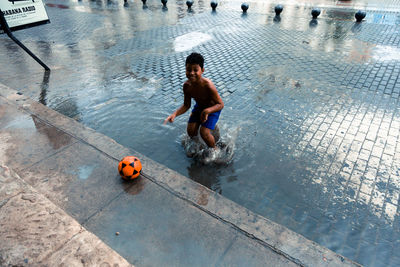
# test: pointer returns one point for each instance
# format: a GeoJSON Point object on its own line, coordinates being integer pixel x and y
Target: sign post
{"type": "Point", "coordinates": [20, 14]}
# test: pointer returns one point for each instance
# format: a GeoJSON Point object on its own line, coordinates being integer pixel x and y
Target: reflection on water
{"type": "Point", "coordinates": [313, 23]}
{"type": "Point", "coordinates": [44, 87]}
{"type": "Point", "coordinates": [347, 150]}
{"type": "Point", "coordinates": [190, 40]}
{"type": "Point", "coordinates": [384, 53]}
{"type": "Point", "coordinates": [56, 138]}
{"type": "Point", "coordinates": [360, 51]}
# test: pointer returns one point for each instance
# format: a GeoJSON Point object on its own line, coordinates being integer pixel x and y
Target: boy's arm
{"type": "Point", "coordinates": [215, 98]}
{"type": "Point", "coordinates": [182, 109]}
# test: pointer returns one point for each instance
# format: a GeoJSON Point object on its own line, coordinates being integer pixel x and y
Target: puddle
{"type": "Point", "coordinates": [386, 53]}
{"type": "Point", "coordinates": [85, 171]}
{"type": "Point", "coordinates": [359, 51]}
{"type": "Point", "coordinates": [21, 122]}
{"type": "Point", "coordinates": [188, 41]}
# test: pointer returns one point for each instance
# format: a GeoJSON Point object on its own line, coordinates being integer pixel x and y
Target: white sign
{"type": "Point", "coordinates": [23, 13]}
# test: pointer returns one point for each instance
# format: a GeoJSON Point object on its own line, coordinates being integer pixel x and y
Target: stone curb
{"type": "Point", "coordinates": [282, 240]}
{"type": "Point", "coordinates": [35, 232]}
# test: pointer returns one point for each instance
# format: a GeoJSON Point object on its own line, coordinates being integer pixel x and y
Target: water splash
{"type": "Point", "coordinates": [197, 149]}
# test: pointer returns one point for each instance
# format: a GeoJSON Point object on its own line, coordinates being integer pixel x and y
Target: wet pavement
{"type": "Point", "coordinates": [311, 104]}
{"type": "Point", "coordinates": [71, 187]}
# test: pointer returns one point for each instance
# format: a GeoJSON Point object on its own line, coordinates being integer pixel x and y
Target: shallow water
{"type": "Point", "coordinates": [310, 113]}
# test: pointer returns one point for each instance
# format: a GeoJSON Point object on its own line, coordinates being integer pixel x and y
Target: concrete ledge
{"type": "Point", "coordinates": [282, 240]}
{"type": "Point", "coordinates": [34, 231]}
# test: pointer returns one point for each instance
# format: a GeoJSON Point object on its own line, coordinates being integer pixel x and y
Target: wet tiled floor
{"type": "Point", "coordinates": [312, 105]}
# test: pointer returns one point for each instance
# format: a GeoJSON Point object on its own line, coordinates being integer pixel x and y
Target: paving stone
{"type": "Point", "coordinates": [47, 236]}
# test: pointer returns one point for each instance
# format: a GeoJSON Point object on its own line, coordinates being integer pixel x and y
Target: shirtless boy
{"type": "Point", "coordinates": [208, 105]}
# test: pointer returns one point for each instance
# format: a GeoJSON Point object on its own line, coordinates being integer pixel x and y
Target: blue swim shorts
{"type": "Point", "coordinates": [211, 120]}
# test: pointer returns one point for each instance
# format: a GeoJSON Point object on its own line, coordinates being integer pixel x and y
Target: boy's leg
{"type": "Point", "coordinates": [207, 127]}
{"type": "Point", "coordinates": [193, 129]}
{"type": "Point", "coordinates": [216, 133]}
{"type": "Point", "coordinates": [207, 136]}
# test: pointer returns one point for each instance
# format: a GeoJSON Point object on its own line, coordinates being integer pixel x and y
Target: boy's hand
{"type": "Point", "coordinates": [170, 118]}
{"type": "Point", "coordinates": [203, 117]}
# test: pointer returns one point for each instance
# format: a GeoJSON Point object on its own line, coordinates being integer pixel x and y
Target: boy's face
{"type": "Point", "coordinates": [194, 72]}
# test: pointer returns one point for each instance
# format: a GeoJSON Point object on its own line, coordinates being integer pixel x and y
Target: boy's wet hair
{"type": "Point", "coordinates": [195, 58]}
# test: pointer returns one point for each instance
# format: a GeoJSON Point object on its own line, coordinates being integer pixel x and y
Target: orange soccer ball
{"type": "Point", "coordinates": [130, 167]}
